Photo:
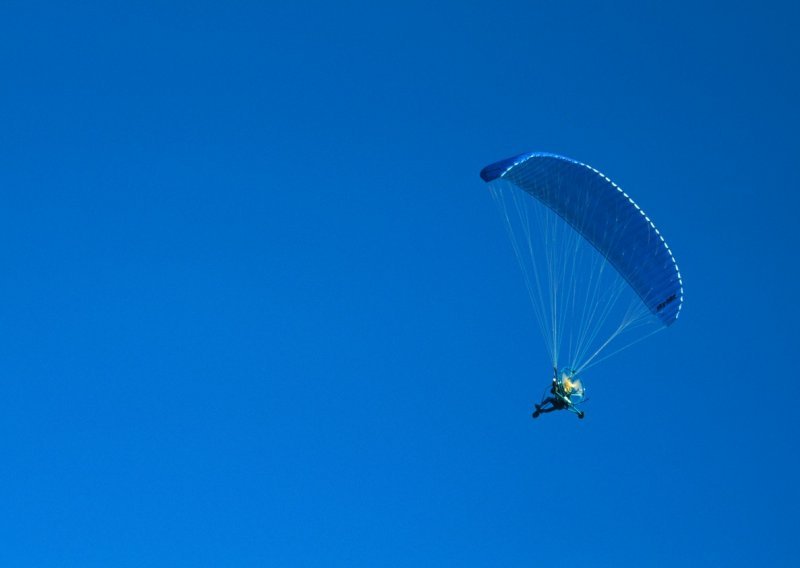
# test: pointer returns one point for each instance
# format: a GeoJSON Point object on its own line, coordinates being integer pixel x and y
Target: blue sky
{"type": "Point", "coordinates": [259, 309]}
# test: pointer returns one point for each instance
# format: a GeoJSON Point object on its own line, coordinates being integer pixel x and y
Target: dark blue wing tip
{"type": "Point", "coordinates": [497, 169]}
{"type": "Point", "coordinates": [672, 315]}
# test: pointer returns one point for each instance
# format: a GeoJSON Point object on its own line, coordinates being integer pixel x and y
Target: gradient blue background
{"type": "Point", "coordinates": [258, 309]}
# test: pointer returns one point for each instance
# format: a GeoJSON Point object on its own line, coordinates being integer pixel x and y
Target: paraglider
{"type": "Point", "coordinates": [566, 392]}
{"type": "Point", "coordinates": [599, 274]}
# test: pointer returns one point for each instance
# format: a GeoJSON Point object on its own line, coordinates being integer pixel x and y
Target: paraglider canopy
{"type": "Point", "coordinates": [606, 217]}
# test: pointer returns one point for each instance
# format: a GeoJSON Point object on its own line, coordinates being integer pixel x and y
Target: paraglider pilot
{"type": "Point", "coordinates": [561, 392]}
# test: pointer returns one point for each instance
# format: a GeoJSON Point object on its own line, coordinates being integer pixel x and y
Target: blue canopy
{"type": "Point", "coordinates": [607, 218]}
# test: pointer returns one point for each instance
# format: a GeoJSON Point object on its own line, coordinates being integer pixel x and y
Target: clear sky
{"type": "Point", "coordinates": [258, 309]}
